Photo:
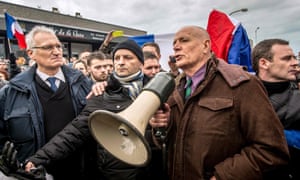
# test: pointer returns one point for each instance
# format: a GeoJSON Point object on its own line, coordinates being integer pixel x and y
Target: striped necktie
{"type": "Point", "coordinates": [188, 89]}
{"type": "Point", "coordinates": [52, 83]}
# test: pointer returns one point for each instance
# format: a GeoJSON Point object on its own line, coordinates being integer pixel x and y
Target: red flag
{"type": "Point", "coordinates": [221, 29]}
{"type": "Point", "coordinates": [14, 29]}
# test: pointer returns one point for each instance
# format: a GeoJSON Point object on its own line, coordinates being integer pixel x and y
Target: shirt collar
{"type": "Point", "coordinates": [59, 75]}
{"type": "Point", "coordinates": [197, 77]}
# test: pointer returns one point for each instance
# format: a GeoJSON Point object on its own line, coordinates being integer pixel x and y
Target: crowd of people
{"type": "Point", "coordinates": [221, 122]}
{"type": "Point", "coordinates": [3, 72]}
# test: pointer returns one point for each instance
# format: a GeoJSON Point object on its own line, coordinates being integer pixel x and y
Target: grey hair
{"type": "Point", "coordinates": [37, 29]}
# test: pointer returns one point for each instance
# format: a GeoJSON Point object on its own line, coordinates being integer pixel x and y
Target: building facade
{"type": "Point", "coordinates": [76, 33]}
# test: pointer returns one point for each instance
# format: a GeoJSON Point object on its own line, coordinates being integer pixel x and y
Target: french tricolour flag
{"type": "Point", "coordinates": [229, 39]}
{"type": "Point", "coordinates": [13, 29]}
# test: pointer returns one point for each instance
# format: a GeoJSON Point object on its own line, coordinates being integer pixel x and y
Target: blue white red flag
{"type": "Point", "coordinates": [229, 40]}
{"type": "Point", "coordinates": [13, 29]}
{"type": "Point", "coordinates": [240, 49]}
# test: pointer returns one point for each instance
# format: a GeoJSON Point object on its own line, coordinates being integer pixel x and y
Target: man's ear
{"type": "Point", "coordinates": [89, 69]}
{"type": "Point", "coordinates": [141, 66]}
{"type": "Point", "coordinates": [159, 56]}
{"type": "Point", "coordinates": [263, 63]}
{"type": "Point", "coordinates": [29, 53]}
{"type": "Point", "coordinates": [207, 45]}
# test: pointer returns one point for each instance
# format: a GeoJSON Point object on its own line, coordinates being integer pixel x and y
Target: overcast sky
{"type": "Point", "coordinates": [275, 18]}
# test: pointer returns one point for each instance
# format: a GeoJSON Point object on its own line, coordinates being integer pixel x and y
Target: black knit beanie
{"type": "Point", "coordinates": [132, 46]}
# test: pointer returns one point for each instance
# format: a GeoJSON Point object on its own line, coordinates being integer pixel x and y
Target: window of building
{"type": "Point", "coordinates": [77, 48]}
{"type": "Point", "coordinates": [2, 48]}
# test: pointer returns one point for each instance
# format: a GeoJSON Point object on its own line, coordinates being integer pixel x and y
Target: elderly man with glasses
{"type": "Point", "coordinates": [40, 102]}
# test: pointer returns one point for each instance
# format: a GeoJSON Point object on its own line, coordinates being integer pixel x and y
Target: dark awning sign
{"type": "Point", "coordinates": [66, 31]}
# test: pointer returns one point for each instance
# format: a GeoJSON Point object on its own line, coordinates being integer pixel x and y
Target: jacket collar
{"type": "Point", "coordinates": [24, 79]}
{"type": "Point", "coordinates": [232, 73]}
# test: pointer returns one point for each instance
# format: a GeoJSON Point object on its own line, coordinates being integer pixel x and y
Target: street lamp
{"type": "Point", "coordinates": [239, 10]}
{"type": "Point", "coordinates": [257, 28]}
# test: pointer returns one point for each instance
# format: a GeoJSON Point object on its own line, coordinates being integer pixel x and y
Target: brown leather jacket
{"type": "Point", "coordinates": [227, 128]}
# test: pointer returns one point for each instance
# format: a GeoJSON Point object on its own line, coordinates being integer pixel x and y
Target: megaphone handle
{"type": "Point", "coordinates": [160, 131]}
{"type": "Point", "coordinates": [164, 160]}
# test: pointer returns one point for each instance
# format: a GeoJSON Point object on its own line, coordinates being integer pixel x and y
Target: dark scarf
{"type": "Point", "coordinates": [134, 83]}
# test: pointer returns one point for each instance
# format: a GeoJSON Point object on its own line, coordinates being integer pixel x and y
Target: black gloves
{"type": "Point", "coordinates": [10, 166]}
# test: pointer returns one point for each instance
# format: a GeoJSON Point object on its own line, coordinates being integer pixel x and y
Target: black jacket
{"type": "Point", "coordinates": [76, 133]}
{"type": "Point", "coordinates": [286, 105]}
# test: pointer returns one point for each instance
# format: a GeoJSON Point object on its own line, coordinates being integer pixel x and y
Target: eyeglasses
{"type": "Point", "coordinates": [49, 47]}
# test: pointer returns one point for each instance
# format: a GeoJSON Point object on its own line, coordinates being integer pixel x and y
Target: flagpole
{"type": "Point", "coordinates": [9, 47]}
{"type": "Point", "coordinates": [8, 40]}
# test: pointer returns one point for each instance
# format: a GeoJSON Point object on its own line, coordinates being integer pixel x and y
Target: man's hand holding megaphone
{"type": "Point", "coordinates": [160, 120]}
{"type": "Point", "coordinates": [161, 117]}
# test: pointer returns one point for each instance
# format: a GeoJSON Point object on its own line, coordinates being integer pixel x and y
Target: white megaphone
{"type": "Point", "coordinates": [122, 134]}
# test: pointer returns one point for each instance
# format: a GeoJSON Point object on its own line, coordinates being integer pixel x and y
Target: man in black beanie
{"type": "Point", "coordinates": [132, 46]}
{"type": "Point", "coordinates": [124, 85]}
